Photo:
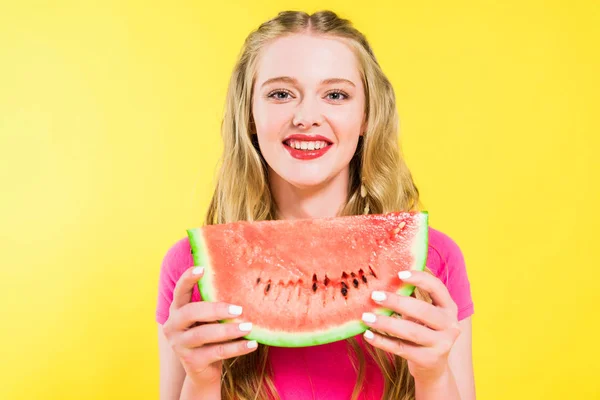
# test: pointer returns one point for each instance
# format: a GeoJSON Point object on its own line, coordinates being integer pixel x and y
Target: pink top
{"type": "Point", "coordinates": [326, 372]}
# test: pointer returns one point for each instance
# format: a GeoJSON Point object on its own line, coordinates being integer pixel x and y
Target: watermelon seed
{"type": "Point", "coordinates": [258, 280]}
{"type": "Point", "coordinates": [361, 273]}
{"type": "Point", "coordinates": [314, 277]}
{"type": "Point", "coordinates": [344, 275]}
{"type": "Point", "coordinates": [326, 281]}
{"type": "Point", "coordinates": [355, 282]}
{"type": "Point", "coordinates": [372, 272]}
{"type": "Point", "coordinates": [344, 289]}
{"type": "Point", "coordinates": [268, 287]}
{"type": "Point", "coordinates": [314, 286]}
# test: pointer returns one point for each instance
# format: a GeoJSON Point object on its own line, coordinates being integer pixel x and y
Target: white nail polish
{"type": "Point", "coordinates": [252, 344]}
{"type": "Point", "coordinates": [404, 274]}
{"type": "Point", "coordinates": [235, 310]}
{"type": "Point", "coordinates": [197, 270]}
{"type": "Point", "coordinates": [369, 317]}
{"type": "Point", "coordinates": [245, 326]}
{"type": "Point", "coordinates": [378, 296]}
{"type": "Point", "coordinates": [369, 335]}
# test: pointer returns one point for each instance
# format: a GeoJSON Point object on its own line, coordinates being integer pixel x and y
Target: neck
{"type": "Point", "coordinates": [321, 201]}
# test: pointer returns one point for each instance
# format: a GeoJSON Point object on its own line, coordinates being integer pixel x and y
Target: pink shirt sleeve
{"type": "Point", "coordinates": [446, 261]}
{"type": "Point", "coordinates": [177, 260]}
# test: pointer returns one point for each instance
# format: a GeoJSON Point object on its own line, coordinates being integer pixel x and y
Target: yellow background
{"type": "Point", "coordinates": [109, 136]}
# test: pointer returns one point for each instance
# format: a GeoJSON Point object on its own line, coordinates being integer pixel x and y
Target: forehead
{"type": "Point", "coordinates": [307, 58]}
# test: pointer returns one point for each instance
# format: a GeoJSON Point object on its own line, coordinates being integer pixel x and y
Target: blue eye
{"type": "Point", "coordinates": [277, 94]}
{"type": "Point", "coordinates": [337, 94]}
{"type": "Point", "coordinates": [280, 94]}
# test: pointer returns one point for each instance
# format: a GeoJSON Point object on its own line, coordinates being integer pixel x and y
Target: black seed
{"type": "Point", "coordinates": [268, 287]}
{"type": "Point", "coordinates": [355, 282]}
{"type": "Point", "coordinates": [372, 272]}
{"type": "Point", "coordinates": [364, 278]}
{"type": "Point", "coordinates": [352, 274]}
{"type": "Point", "coordinates": [257, 281]}
{"type": "Point", "coordinates": [344, 275]}
{"type": "Point", "coordinates": [314, 286]}
{"type": "Point", "coordinates": [326, 281]}
{"type": "Point", "coordinates": [344, 292]}
{"type": "Point", "coordinates": [314, 277]}
{"type": "Point", "coordinates": [344, 286]}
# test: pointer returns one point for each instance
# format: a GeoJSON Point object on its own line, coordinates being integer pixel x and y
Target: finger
{"type": "Point", "coordinates": [182, 294]}
{"type": "Point", "coordinates": [222, 351]}
{"type": "Point", "coordinates": [204, 311]}
{"type": "Point", "coordinates": [402, 329]}
{"type": "Point", "coordinates": [430, 315]}
{"type": "Point", "coordinates": [393, 345]}
{"type": "Point", "coordinates": [214, 333]}
{"type": "Point", "coordinates": [437, 290]}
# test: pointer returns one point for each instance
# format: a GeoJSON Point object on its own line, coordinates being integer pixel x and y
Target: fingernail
{"type": "Point", "coordinates": [235, 310]}
{"type": "Point", "coordinates": [404, 274]}
{"type": "Point", "coordinates": [369, 335]}
{"type": "Point", "coordinates": [197, 270]}
{"type": "Point", "coordinates": [245, 326]}
{"type": "Point", "coordinates": [252, 344]}
{"type": "Point", "coordinates": [369, 317]}
{"type": "Point", "coordinates": [378, 296]}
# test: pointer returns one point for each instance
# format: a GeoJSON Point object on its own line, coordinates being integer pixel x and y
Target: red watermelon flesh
{"type": "Point", "coordinates": [307, 282]}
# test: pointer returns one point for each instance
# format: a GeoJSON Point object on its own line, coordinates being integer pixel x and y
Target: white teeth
{"type": "Point", "coordinates": [305, 145]}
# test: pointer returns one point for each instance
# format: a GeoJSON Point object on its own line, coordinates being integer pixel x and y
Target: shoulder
{"type": "Point", "coordinates": [443, 245]}
{"type": "Point", "coordinates": [176, 261]}
{"type": "Point", "coordinates": [444, 256]}
{"type": "Point", "coordinates": [445, 260]}
{"type": "Point", "coordinates": [178, 258]}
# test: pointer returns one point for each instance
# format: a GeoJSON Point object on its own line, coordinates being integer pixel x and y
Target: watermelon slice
{"type": "Point", "coordinates": [307, 282]}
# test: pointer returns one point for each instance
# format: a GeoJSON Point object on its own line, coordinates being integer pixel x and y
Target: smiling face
{"type": "Point", "coordinates": [308, 108]}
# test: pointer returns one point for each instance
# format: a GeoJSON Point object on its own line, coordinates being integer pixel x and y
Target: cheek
{"type": "Point", "coordinates": [271, 120]}
{"type": "Point", "coordinates": [347, 124]}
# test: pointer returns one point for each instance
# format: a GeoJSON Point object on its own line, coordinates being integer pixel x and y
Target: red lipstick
{"type": "Point", "coordinates": [306, 154]}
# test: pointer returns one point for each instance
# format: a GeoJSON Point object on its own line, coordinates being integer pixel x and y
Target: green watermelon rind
{"type": "Point", "coordinates": [312, 338]}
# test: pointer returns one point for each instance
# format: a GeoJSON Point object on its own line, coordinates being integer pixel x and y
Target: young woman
{"type": "Point", "coordinates": [310, 130]}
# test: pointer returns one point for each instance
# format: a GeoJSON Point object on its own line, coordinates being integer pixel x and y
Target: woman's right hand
{"type": "Point", "coordinates": [197, 338]}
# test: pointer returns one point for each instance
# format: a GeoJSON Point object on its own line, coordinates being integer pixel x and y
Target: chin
{"type": "Point", "coordinates": [307, 183]}
{"type": "Point", "coordinates": [300, 181]}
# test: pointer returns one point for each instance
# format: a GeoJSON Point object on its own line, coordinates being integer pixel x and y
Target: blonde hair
{"type": "Point", "coordinates": [377, 165]}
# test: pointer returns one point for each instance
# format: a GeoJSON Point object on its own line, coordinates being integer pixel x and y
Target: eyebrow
{"type": "Point", "coordinates": [289, 79]}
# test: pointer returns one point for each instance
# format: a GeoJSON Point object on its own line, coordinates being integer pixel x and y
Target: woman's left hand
{"type": "Point", "coordinates": [425, 334]}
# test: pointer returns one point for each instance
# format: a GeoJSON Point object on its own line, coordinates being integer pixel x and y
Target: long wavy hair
{"type": "Point", "coordinates": [377, 164]}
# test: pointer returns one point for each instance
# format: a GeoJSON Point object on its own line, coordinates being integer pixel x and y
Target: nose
{"type": "Point", "coordinates": [307, 115]}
